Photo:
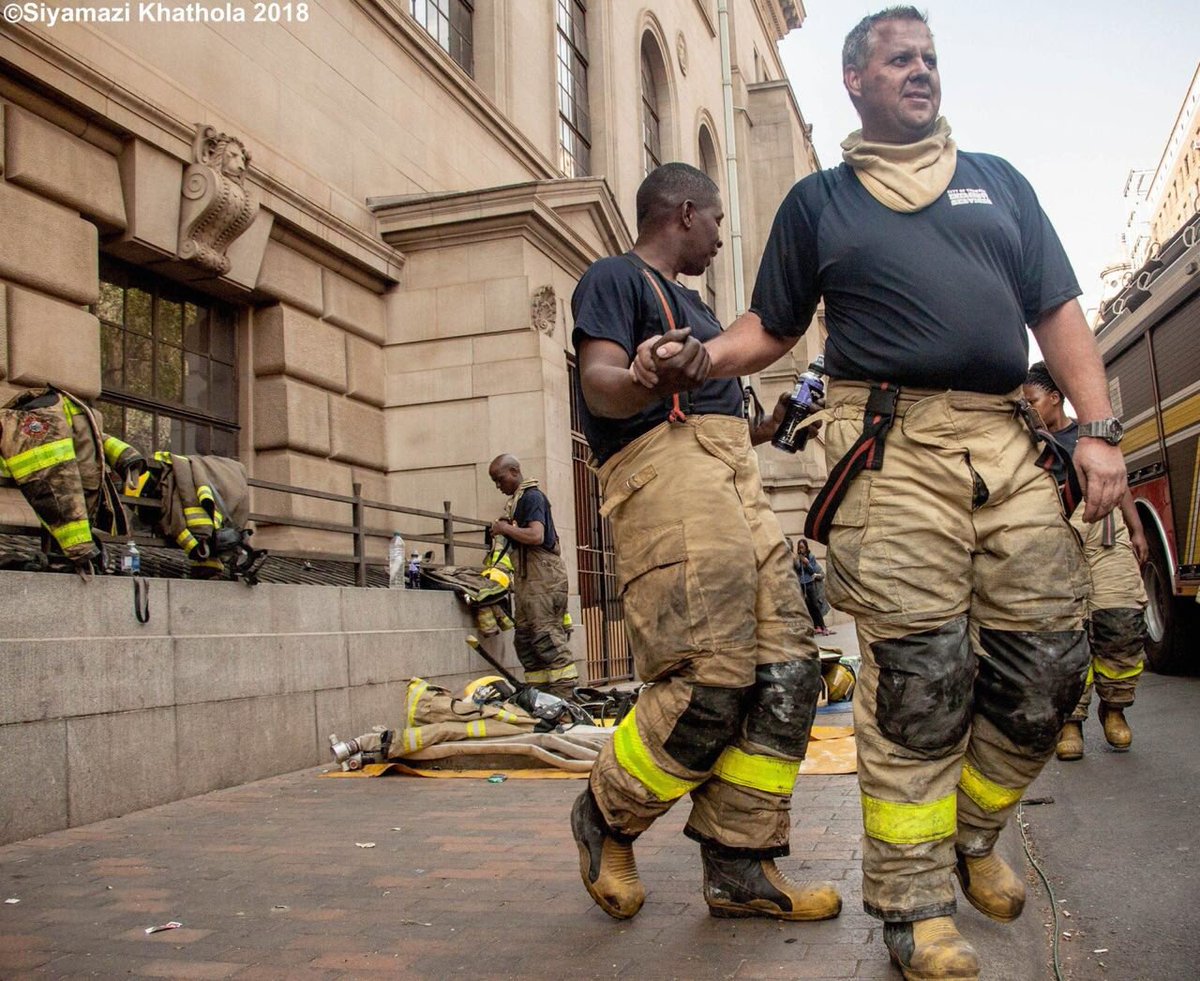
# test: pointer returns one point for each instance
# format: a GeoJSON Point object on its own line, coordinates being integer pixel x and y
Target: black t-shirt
{"type": "Point", "coordinates": [1069, 438]}
{"type": "Point", "coordinates": [939, 298]}
{"type": "Point", "coordinates": [615, 302]}
{"type": "Point", "coordinates": [535, 506]}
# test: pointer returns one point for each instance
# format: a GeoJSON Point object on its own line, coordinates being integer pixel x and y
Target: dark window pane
{"type": "Point", "coordinates": [112, 419]}
{"type": "Point", "coordinates": [195, 383]}
{"type": "Point", "coordinates": [112, 303]}
{"type": "Point", "coordinates": [169, 322]}
{"type": "Point", "coordinates": [139, 376]}
{"type": "Point", "coordinates": [179, 437]}
{"type": "Point", "coordinates": [170, 373]}
{"type": "Point", "coordinates": [224, 443]}
{"type": "Point", "coordinates": [163, 427]}
{"type": "Point", "coordinates": [138, 311]}
{"type": "Point", "coordinates": [224, 395]}
{"type": "Point", "coordinates": [112, 356]}
{"type": "Point", "coordinates": [223, 334]}
{"type": "Point", "coordinates": [139, 430]}
{"type": "Point", "coordinates": [195, 328]}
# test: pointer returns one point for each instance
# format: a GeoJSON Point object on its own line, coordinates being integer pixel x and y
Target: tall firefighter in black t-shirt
{"type": "Point", "coordinates": [540, 584]}
{"type": "Point", "coordinates": [947, 543]}
{"type": "Point", "coordinates": [714, 612]}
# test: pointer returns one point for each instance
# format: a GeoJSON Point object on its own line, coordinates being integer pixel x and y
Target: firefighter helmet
{"type": "Point", "coordinates": [840, 680]}
{"type": "Point", "coordinates": [498, 576]}
{"type": "Point", "coordinates": [490, 688]}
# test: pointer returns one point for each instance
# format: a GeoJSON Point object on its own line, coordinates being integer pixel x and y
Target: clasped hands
{"type": "Point", "coordinates": [671, 362]}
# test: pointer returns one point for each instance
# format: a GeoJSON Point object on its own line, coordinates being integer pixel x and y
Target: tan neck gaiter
{"type": "Point", "coordinates": [904, 177]}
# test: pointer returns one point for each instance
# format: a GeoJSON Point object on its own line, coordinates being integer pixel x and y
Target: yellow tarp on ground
{"type": "Point", "coordinates": [830, 750]}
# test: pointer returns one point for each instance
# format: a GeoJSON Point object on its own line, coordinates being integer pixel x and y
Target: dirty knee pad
{"type": "Point", "coordinates": [1117, 633]}
{"type": "Point", "coordinates": [924, 696]}
{"type": "Point", "coordinates": [783, 704]}
{"type": "Point", "coordinates": [709, 723]}
{"type": "Point", "coordinates": [1030, 681]}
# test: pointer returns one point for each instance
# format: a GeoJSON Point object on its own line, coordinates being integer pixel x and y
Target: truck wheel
{"type": "Point", "coordinates": [1165, 627]}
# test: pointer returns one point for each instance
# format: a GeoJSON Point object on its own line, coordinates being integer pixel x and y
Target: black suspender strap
{"type": "Point", "coordinates": [1054, 458]}
{"type": "Point", "coordinates": [865, 454]}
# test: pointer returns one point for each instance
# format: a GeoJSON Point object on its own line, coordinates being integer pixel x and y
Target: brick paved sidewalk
{"type": "Point", "coordinates": [466, 878]}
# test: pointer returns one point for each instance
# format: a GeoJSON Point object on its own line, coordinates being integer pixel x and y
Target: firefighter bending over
{"type": "Point", "coordinates": [714, 612]}
{"type": "Point", "coordinates": [540, 580]}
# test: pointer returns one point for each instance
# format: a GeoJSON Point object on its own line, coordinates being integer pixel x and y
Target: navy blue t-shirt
{"type": "Point", "coordinates": [535, 506]}
{"type": "Point", "coordinates": [615, 302]}
{"type": "Point", "coordinates": [1069, 438]}
{"type": "Point", "coordinates": [939, 298]}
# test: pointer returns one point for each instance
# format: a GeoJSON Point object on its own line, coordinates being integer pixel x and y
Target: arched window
{"type": "Point", "coordinates": [449, 23]}
{"type": "Point", "coordinates": [652, 106]}
{"type": "Point", "coordinates": [708, 163]}
{"type": "Point", "coordinates": [574, 124]}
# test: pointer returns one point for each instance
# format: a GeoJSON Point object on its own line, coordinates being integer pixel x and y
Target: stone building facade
{"type": "Point", "coordinates": [341, 245]}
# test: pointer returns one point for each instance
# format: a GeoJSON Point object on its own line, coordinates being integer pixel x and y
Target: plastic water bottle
{"type": "Point", "coordinates": [396, 562]}
{"type": "Point", "coordinates": [131, 561]}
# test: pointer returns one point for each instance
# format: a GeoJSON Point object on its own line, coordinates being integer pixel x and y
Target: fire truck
{"type": "Point", "coordinates": [1149, 336]}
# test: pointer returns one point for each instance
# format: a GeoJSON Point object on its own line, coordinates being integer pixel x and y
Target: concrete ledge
{"type": "Point", "coordinates": [225, 684]}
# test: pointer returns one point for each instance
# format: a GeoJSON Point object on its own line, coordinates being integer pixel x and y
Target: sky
{"type": "Point", "coordinates": [1075, 94]}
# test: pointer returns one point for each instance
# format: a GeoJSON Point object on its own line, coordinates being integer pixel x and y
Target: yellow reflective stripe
{"type": "Point", "coordinates": [909, 824]}
{"type": "Point", "coordinates": [988, 794]}
{"type": "Point", "coordinates": [505, 716]}
{"type": "Point", "coordinates": [476, 730]}
{"type": "Point", "coordinates": [416, 688]}
{"type": "Point", "coordinates": [71, 534]}
{"type": "Point", "coordinates": [22, 465]}
{"type": "Point", "coordinates": [113, 448]}
{"type": "Point", "coordinates": [1091, 676]}
{"type": "Point", "coordinates": [635, 760]}
{"type": "Point", "coordinates": [164, 456]}
{"type": "Point", "coordinates": [412, 739]}
{"type": "Point", "coordinates": [1113, 675]}
{"type": "Point", "coordinates": [4, 471]}
{"type": "Point", "coordinates": [535, 677]}
{"type": "Point", "coordinates": [768, 773]}
{"type": "Point", "coordinates": [570, 671]}
{"type": "Point", "coordinates": [70, 409]}
{"type": "Point", "coordinates": [197, 518]}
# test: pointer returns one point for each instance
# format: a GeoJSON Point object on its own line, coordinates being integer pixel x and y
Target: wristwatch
{"type": "Point", "coordinates": [1110, 430]}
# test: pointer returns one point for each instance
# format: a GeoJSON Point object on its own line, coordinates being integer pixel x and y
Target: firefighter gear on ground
{"type": "Point", "coordinates": [967, 588]}
{"type": "Point", "coordinates": [718, 627]}
{"type": "Point", "coordinates": [991, 886]}
{"type": "Point", "coordinates": [1116, 628]}
{"type": "Point", "coordinates": [540, 592]}
{"type": "Point", "coordinates": [52, 448]}
{"type": "Point", "coordinates": [931, 949]}
{"type": "Point", "coordinates": [737, 886]}
{"type": "Point", "coordinates": [606, 860]}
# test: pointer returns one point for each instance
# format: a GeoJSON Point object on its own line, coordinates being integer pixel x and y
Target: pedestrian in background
{"type": "Point", "coordinates": [810, 573]}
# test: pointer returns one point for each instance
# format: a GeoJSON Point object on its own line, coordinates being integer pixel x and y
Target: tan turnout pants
{"type": "Point", "coordinates": [1116, 621]}
{"type": "Point", "coordinates": [719, 628]}
{"type": "Point", "coordinates": [540, 639]}
{"type": "Point", "coordinates": [966, 584]}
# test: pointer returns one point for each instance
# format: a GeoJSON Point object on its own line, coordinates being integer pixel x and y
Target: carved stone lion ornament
{"type": "Point", "coordinates": [217, 204]}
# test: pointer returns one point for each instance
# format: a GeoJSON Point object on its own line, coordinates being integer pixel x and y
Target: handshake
{"type": "Point", "coordinates": [671, 362]}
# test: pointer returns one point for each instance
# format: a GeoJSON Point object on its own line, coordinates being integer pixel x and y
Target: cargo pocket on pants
{"type": "Point", "coordinates": [845, 586]}
{"type": "Point", "coordinates": [652, 582]}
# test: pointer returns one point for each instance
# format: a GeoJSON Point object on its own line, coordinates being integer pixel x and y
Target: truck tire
{"type": "Point", "coordinates": [1166, 617]}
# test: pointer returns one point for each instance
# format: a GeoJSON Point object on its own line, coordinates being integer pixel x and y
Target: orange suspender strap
{"type": "Point", "coordinates": [676, 414]}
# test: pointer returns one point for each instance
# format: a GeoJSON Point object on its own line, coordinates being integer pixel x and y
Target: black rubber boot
{"type": "Point", "coordinates": [606, 861]}
{"type": "Point", "coordinates": [737, 886]}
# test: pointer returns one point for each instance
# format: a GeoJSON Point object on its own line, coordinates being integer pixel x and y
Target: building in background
{"type": "Point", "coordinates": [1160, 201]}
{"type": "Point", "coordinates": [341, 246]}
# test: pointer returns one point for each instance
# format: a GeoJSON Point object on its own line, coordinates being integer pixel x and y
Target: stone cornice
{"type": "Point", "coordinates": [94, 95]}
{"type": "Point", "coordinates": [780, 16]}
{"type": "Point", "coordinates": [538, 210]}
{"type": "Point", "coordinates": [442, 70]}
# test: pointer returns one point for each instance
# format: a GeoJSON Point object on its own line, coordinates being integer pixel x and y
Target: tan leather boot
{"type": "Point", "coordinates": [1070, 742]}
{"type": "Point", "coordinates": [991, 886]}
{"type": "Point", "coordinates": [930, 950]}
{"type": "Point", "coordinates": [1116, 729]}
{"type": "Point", "coordinates": [606, 861]}
{"type": "Point", "coordinates": [736, 886]}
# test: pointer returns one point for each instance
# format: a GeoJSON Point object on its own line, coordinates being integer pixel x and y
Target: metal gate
{"type": "Point", "coordinates": [608, 656]}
